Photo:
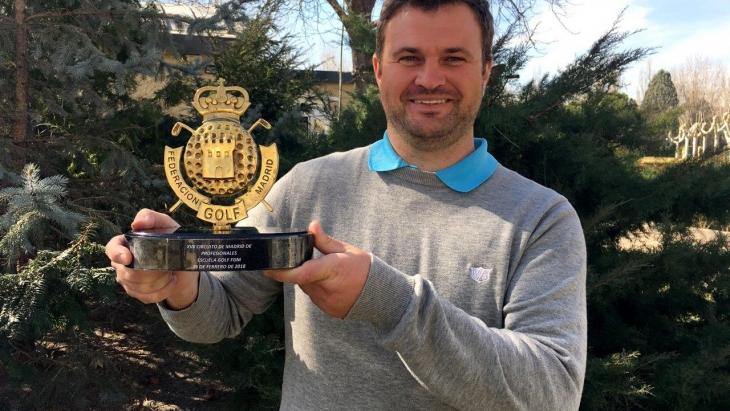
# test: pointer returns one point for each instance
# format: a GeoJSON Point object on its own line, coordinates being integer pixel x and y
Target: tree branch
{"type": "Point", "coordinates": [341, 13]}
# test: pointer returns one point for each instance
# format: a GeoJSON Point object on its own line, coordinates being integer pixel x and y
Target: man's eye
{"type": "Point", "coordinates": [408, 59]}
{"type": "Point", "coordinates": [454, 60]}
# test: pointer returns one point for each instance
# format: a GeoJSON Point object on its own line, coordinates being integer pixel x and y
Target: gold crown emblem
{"type": "Point", "coordinates": [221, 102]}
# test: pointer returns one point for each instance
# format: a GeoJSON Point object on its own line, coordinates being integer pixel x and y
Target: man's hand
{"type": "Point", "coordinates": [179, 289]}
{"type": "Point", "coordinates": [333, 281]}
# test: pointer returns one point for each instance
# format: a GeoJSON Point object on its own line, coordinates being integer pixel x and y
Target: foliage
{"type": "Point", "coordinates": [268, 68]}
{"type": "Point", "coordinates": [661, 95]}
{"type": "Point", "coordinates": [31, 210]}
{"type": "Point", "coordinates": [106, 143]}
{"type": "Point", "coordinates": [661, 110]}
{"type": "Point", "coordinates": [615, 382]}
{"type": "Point", "coordinates": [670, 304]}
{"type": "Point", "coordinates": [361, 122]}
{"type": "Point", "coordinates": [228, 17]}
{"type": "Point", "coordinates": [83, 56]}
{"type": "Point", "coordinates": [85, 60]}
{"type": "Point", "coordinates": [51, 294]}
{"type": "Point", "coordinates": [361, 32]}
{"type": "Point", "coordinates": [51, 290]}
{"type": "Point", "coordinates": [361, 39]}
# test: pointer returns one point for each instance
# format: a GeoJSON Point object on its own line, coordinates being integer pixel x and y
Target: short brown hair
{"type": "Point", "coordinates": [479, 7]}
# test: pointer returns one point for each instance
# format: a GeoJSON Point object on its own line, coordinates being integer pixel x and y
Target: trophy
{"type": "Point", "coordinates": [222, 174]}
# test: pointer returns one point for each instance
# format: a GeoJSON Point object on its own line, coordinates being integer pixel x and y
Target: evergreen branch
{"type": "Point", "coordinates": [228, 14]}
{"type": "Point", "coordinates": [68, 220]}
{"type": "Point", "coordinates": [83, 61]}
{"type": "Point", "coordinates": [16, 240]}
{"type": "Point", "coordinates": [630, 271]}
{"type": "Point", "coordinates": [53, 186]}
{"type": "Point", "coordinates": [599, 67]}
{"type": "Point", "coordinates": [40, 292]}
{"type": "Point", "coordinates": [7, 194]}
{"type": "Point", "coordinates": [602, 214]}
{"type": "Point", "coordinates": [27, 206]}
{"type": "Point", "coordinates": [21, 309]}
{"type": "Point", "coordinates": [30, 175]}
{"type": "Point", "coordinates": [192, 68]}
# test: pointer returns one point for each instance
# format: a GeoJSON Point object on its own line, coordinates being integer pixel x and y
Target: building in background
{"type": "Point", "coordinates": [335, 87]}
{"type": "Point", "coordinates": [339, 94]}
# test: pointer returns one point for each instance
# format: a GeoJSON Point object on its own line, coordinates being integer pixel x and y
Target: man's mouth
{"type": "Point", "coordinates": [430, 101]}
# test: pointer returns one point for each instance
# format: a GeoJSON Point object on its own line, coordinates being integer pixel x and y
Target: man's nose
{"type": "Point", "coordinates": [430, 76]}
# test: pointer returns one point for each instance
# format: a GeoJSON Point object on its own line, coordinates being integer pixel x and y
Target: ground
{"type": "Point", "coordinates": [126, 358]}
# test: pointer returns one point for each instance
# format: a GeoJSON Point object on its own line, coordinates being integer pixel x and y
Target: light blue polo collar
{"type": "Point", "coordinates": [463, 176]}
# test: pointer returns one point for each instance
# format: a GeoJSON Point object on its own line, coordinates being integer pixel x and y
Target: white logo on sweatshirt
{"type": "Point", "coordinates": [479, 274]}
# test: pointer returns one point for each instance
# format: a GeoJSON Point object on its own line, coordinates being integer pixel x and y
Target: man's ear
{"type": "Point", "coordinates": [376, 69]}
{"type": "Point", "coordinates": [485, 75]}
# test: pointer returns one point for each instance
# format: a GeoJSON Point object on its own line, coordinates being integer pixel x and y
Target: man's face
{"type": "Point", "coordinates": [431, 75]}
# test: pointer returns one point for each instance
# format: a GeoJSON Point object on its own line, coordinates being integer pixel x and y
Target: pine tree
{"type": "Point", "coordinates": [661, 95]}
{"type": "Point", "coordinates": [31, 211]}
{"type": "Point", "coordinates": [660, 108]}
{"type": "Point", "coordinates": [268, 67]}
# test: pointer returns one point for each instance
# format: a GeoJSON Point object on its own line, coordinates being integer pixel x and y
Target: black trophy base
{"type": "Point", "coordinates": [199, 249]}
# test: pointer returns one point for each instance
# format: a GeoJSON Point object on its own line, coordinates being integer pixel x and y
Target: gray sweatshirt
{"type": "Point", "coordinates": [474, 301]}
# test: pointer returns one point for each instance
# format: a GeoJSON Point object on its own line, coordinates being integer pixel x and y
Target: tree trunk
{"type": "Point", "coordinates": [360, 64]}
{"type": "Point", "coordinates": [361, 61]}
{"type": "Point", "coordinates": [20, 126]}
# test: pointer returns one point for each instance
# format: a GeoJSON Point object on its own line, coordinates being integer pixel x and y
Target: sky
{"type": "Point", "coordinates": [677, 29]}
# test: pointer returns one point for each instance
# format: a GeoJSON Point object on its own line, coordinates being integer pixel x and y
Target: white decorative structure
{"type": "Point", "coordinates": [699, 133]}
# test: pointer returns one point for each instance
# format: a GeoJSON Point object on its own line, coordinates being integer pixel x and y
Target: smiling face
{"type": "Point", "coordinates": [431, 76]}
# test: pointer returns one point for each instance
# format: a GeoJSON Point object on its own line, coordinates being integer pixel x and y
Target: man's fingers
{"type": "Point", "coordinates": [147, 219]}
{"type": "Point", "coordinates": [142, 280]}
{"type": "Point", "coordinates": [335, 254]}
{"type": "Point", "coordinates": [149, 286]}
{"type": "Point", "coordinates": [150, 296]}
{"type": "Point", "coordinates": [325, 243]}
{"type": "Point", "coordinates": [117, 251]}
{"type": "Point", "coordinates": [309, 272]}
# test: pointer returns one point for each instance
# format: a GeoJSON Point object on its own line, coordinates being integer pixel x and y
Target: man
{"type": "Point", "coordinates": [472, 292]}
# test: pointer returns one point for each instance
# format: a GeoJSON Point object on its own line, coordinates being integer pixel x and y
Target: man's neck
{"type": "Point", "coordinates": [432, 160]}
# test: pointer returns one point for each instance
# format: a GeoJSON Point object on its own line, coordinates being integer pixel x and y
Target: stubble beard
{"type": "Point", "coordinates": [459, 122]}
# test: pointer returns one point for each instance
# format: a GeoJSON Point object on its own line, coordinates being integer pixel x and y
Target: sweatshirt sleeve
{"type": "Point", "coordinates": [537, 361]}
{"type": "Point", "coordinates": [226, 302]}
